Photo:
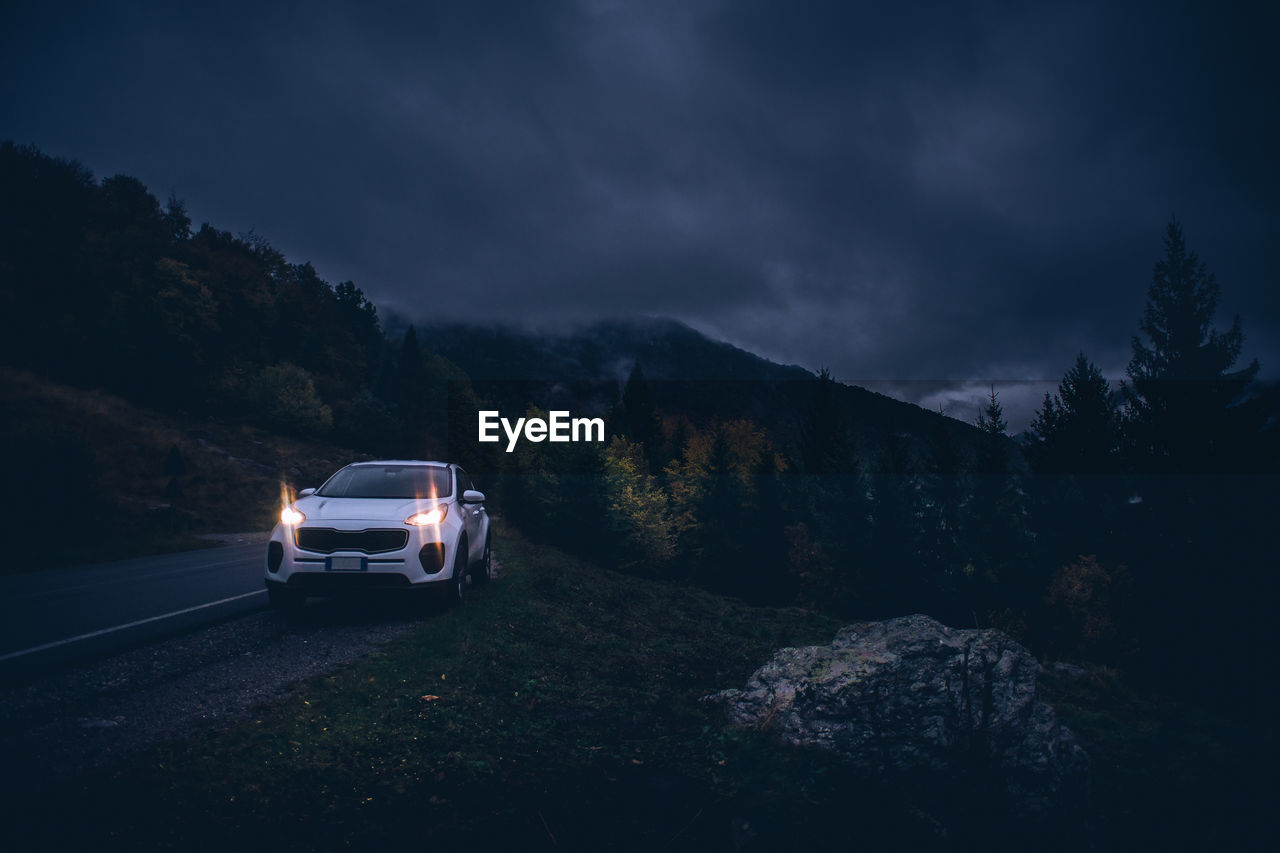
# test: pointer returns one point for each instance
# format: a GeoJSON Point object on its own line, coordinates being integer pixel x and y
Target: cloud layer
{"type": "Point", "coordinates": [948, 192]}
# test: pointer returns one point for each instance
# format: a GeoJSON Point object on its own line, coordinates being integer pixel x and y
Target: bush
{"type": "Point", "coordinates": [369, 423]}
{"type": "Point", "coordinates": [285, 395]}
{"type": "Point", "coordinates": [1083, 596]}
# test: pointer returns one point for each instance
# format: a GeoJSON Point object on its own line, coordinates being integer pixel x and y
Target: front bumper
{"type": "Point", "coordinates": [312, 583]}
{"type": "Point", "coordinates": [425, 560]}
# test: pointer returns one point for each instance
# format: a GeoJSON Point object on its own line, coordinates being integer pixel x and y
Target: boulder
{"type": "Point", "coordinates": [946, 712]}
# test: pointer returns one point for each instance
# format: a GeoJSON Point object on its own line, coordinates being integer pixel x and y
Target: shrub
{"type": "Point", "coordinates": [1083, 595]}
{"type": "Point", "coordinates": [369, 423]}
{"type": "Point", "coordinates": [285, 395]}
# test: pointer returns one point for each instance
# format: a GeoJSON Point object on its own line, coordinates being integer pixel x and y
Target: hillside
{"type": "Point", "coordinates": [690, 373]}
{"type": "Point", "coordinates": [149, 481]}
{"type": "Point", "coordinates": [603, 350]}
{"type": "Point", "coordinates": [559, 709]}
{"type": "Point", "coordinates": [196, 321]}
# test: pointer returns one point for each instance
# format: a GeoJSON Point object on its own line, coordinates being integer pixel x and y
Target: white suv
{"type": "Point", "coordinates": [396, 524]}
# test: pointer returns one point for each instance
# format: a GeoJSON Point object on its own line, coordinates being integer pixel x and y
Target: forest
{"type": "Point", "coordinates": [1127, 527]}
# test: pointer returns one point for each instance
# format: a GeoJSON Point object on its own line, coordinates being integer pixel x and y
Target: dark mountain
{"type": "Point", "coordinates": [667, 348]}
{"type": "Point", "coordinates": [586, 367]}
{"type": "Point", "coordinates": [199, 320]}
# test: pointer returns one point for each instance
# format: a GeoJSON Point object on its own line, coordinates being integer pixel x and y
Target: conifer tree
{"type": "Point", "coordinates": [1181, 378]}
{"type": "Point", "coordinates": [824, 438]}
{"type": "Point", "coordinates": [638, 418]}
{"type": "Point", "coordinates": [991, 418]}
{"type": "Point", "coordinates": [1076, 430]}
{"type": "Point", "coordinates": [726, 525]}
{"type": "Point", "coordinates": [411, 394]}
{"type": "Point", "coordinates": [997, 527]}
{"type": "Point", "coordinates": [179, 223]}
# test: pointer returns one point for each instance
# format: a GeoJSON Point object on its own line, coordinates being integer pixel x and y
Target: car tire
{"type": "Point", "coordinates": [458, 583]}
{"type": "Point", "coordinates": [480, 574]}
{"type": "Point", "coordinates": [286, 602]}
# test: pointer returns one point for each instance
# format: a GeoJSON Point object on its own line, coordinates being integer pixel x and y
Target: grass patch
{"type": "Point", "coordinates": [1168, 775]}
{"type": "Point", "coordinates": [558, 709]}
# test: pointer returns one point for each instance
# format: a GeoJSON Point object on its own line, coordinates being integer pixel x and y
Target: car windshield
{"type": "Point", "coordinates": [389, 481]}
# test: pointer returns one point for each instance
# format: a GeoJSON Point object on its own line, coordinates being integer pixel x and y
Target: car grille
{"type": "Point", "coordinates": [326, 540]}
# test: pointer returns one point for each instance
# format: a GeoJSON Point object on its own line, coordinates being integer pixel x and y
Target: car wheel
{"type": "Point", "coordinates": [480, 574]}
{"type": "Point", "coordinates": [286, 602]}
{"type": "Point", "coordinates": [458, 584]}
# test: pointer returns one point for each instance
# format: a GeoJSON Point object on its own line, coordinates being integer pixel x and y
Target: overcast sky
{"type": "Point", "coordinates": [969, 192]}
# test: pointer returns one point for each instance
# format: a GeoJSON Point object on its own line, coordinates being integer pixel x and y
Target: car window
{"type": "Point", "coordinates": [389, 481]}
{"type": "Point", "coordinates": [464, 482]}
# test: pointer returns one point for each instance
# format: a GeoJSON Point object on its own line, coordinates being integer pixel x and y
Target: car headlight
{"type": "Point", "coordinates": [435, 515]}
{"type": "Point", "coordinates": [290, 516]}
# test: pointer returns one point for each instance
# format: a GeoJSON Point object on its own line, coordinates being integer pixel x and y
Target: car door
{"type": "Point", "coordinates": [472, 517]}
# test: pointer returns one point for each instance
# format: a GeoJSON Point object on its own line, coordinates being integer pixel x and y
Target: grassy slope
{"type": "Point", "coordinates": [1168, 775]}
{"type": "Point", "coordinates": [232, 479]}
{"type": "Point", "coordinates": [559, 710]}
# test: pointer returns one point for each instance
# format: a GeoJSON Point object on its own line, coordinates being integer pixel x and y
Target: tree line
{"type": "Point", "coordinates": [105, 287]}
{"type": "Point", "coordinates": [1126, 527]}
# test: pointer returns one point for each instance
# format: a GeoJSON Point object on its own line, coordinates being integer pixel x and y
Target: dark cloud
{"type": "Point", "coordinates": [952, 191]}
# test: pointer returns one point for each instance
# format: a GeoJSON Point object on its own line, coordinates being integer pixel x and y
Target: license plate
{"type": "Point", "coordinates": [346, 564]}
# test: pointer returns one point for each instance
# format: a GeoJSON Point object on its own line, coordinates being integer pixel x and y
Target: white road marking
{"type": "Point", "coordinates": [115, 628]}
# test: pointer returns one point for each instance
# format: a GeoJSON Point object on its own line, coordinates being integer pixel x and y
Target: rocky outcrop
{"type": "Point", "coordinates": [935, 708]}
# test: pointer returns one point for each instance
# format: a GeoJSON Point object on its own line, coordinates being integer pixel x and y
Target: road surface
{"type": "Point", "coordinates": [51, 617]}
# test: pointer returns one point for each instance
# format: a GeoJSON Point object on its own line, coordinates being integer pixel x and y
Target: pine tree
{"type": "Point", "coordinates": [727, 528]}
{"type": "Point", "coordinates": [411, 396]}
{"type": "Point", "coordinates": [997, 534]}
{"type": "Point", "coordinates": [638, 419]}
{"type": "Point", "coordinates": [991, 418]}
{"type": "Point", "coordinates": [1181, 381]}
{"type": "Point", "coordinates": [179, 223]}
{"type": "Point", "coordinates": [825, 446]}
{"type": "Point", "coordinates": [1076, 430]}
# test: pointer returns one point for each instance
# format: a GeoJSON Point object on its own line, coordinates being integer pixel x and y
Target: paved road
{"type": "Point", "coordinates": [48, 618]}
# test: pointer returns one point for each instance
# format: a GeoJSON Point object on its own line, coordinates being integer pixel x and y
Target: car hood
{"type": "Point", "coordinates": [317, 508]}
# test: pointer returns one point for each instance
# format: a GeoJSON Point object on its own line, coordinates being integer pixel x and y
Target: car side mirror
{"type": "Point", "coordinates": [305, 492]}
{"type": "Point", "coordinates": [471, 496]}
